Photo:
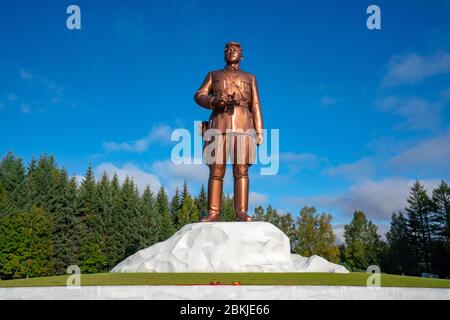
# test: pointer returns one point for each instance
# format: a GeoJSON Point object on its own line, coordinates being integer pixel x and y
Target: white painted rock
{"type": "Point", "coordinates": [225, 247]}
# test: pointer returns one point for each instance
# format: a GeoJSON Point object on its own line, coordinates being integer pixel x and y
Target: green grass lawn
{"type": "Point", "coordinates": [350, 279]}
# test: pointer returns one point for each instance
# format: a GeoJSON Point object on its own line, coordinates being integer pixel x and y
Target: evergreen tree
{"type": "Point", "coordinates": [63, 206]}
{"type": "Point", "coordinates": [29, 190]}
{"type": "Point", "coordinates": [12, 176]}
{"type": "Point", "coordinates": [272, 216]}
{"type": "Point", "coordinates": [175, 205]}
{"type": "Point", "coordinates": [259, 214]}
{"type": "Point", "coordinates": [362, 243]}
{"type": "Point", "coordinates": [105, 204]}
{"type": "Point", "coordinates": [104, 217]}
{"type": "Point", "coordinates": [72, 198]}
{"type": "Point", "coordinates": [87, 211]}
{"type": "Point", "coordinates": [202, 203]}
{"type": "Point", "coordinates": [47, 223]}
{"type": "Point", "coordinates": [3, 199]}
{"type": "Point", "coordinates": [43, 180]}
{"type": "Point", "coordinates": [152, 222]}
{"type": "Point", "coordinates": [185, 192]}
{"type": "Point", "coordinates": [398, 258]}
{"type": "Point", "coordinates": [441, 205]}
{"type": "Point", "coordinates": [188, 208]}
{"type": "Point", "coordinates": [5, 204]}
{"type": "Point", "coordinates": [26, 244]}
{"type": "Point", "coordinates": [421, 226]}
{"type": "Point", "coordinates": [115, 250]}
{"type": "Point", "coordinates": [194, 215]}
{"type": "Point", "coordinates": [89, 229]}
{"type": "Point", "coordinates": [184, 212]}
{"type": "Point", "coordinates": [188, 213]}
{"type": "Point", "coordinates": [270, 213]}
{"type": "Point", "coordinates": [93, 260]}
{"type": "Point", "coordinates": [162, 208]}
{"type": "Point", "coordinates": [227, 209]}
{"type": "Point", "coordinates": [131, 222]}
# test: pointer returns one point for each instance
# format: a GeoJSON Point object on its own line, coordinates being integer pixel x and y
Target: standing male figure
{"type": "Point", "coordinates": [234, 128]}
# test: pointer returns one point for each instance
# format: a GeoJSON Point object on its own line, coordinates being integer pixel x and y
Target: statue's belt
{"type": "Point", "coordinates": [242, 103]}
{"type": "Point", "coordinates": [234, 133]}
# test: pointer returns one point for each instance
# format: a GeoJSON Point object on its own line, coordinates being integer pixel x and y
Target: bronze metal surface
{"type": "Point", "coordinates": [232, 95]}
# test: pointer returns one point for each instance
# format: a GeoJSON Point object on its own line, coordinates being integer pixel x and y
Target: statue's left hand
{"type": "Point", "coordinates": [259, 138]}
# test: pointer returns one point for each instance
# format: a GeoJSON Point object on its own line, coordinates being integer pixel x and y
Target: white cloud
{"type": "Point", "coordinates": [358, 169]}
{"type": "Point", "coordinates": [12, 97]}
{"type": "Point", "coordinates": [299, 157]}
{"type": "Point", "coordinates": [445, 95]}
{"type": "Point", "coordinates": [257, 199]}
{"type": "Point", "coordinates": [25, 75]}
{"type": "Point", "coordinates": [432, 154]}
{"type": "Point", "coordinates": [49, 93]}
{"type": "Point", "coordinates": [413, 68]}
{"type": "Point", "coordinates": [418, 113]}
{"type": "Point", "coordinates": [385, 145]}
{"type": "Point", "coordinates": [338, 230]}
{"type": "Point", "coordinates": [301, 161]}
{"type": "Point", "coordinates": [79, 179]}
{"type": "Point", "coordinates": [378, 199]}
{"type": "Point", "coordinates": [160, 134]}
{"type": "Point", "coordinates": [25, 109]}
{"type": "Point", "coordinates": [426, 158]}
{"type": "Point", "coordinates": [172, 171]}
{"type": "Point", "coordinates": [328, 101]}
{"type": "Point", "coordinates": [141, 178]}
{"type": "Point", "coordinates": [41, 81]}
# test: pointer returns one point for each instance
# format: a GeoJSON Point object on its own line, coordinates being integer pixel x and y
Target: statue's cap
{"type": "Point", "coordinates": [234, 44]}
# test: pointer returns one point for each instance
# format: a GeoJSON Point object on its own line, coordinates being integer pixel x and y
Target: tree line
{"type": "Point", "coordinates": [48, 221]}
{"type": "Point", "coordinates": [417, 242]}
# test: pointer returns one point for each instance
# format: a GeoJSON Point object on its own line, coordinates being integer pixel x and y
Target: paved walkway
{"type": "Point", "coordinates": [224, 293]}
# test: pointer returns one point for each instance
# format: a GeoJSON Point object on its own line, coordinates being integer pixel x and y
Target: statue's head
{"type": "Point", "coordinates": [233, 52]}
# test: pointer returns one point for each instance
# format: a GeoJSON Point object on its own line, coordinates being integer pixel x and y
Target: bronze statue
{"type": "Point", "coordinates": [232, 95]}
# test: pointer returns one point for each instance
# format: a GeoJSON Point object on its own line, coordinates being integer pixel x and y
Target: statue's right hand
{"type": "Point", "coordinates": [217, 102]}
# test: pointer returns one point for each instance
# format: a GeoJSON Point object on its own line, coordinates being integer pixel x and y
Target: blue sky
{"type": "Point", "coordinates": [361, 113]}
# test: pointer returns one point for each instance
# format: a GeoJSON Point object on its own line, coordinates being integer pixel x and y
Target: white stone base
{"type": "Point", "coordinates": [225, 247]}
{"type": "Point", "coordinates": [210, 292]}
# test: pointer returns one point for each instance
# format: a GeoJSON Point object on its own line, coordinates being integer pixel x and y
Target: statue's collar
{"type": "Point", "coordinates": [232, 67]}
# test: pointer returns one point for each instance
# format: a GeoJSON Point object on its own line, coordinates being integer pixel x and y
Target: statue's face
{"type": "Point", "coordinates": [233, 54]}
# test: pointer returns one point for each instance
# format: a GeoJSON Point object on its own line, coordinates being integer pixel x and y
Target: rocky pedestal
{"type": "Point", "coordinates": [225, 247]}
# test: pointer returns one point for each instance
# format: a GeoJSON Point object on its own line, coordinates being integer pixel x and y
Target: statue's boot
{"type": "Point", "coordinates": [241, 199]}
{"type": "Point", "coordinates": [214, 199]}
